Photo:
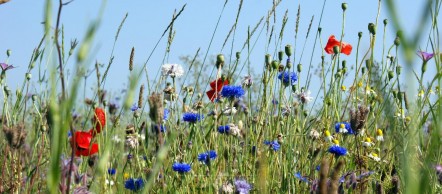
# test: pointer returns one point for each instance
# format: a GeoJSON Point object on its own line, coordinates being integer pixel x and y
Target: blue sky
{"type": "Point", "coordinates": [22, 30]}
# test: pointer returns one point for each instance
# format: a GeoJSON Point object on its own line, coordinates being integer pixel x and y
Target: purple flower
{"type": "Point", "coordinates": [224, 129]}
{"type": "Point", "coordinates": [192, 117]}
{"type": "Point", "coordinates": [337, 150]}
{"type": "Point", "coordinates": [181, 167]}
{"type": "Point", "coordinates": [301, 178]}
{"type": "Point", "coordinates": [206, 156]}
{"type": "Point", "coordinates": [134, 107]}
{"type": "Point", "coordinates": [232, 92]}
{"type": "Point", "coordinates": [242, 186]}
{"type": "Point", "coordinates": [6, 67]}
{"type": "Point", "coordinates": [273, 144]}
{"type": "Point", "coordinates": [288, 78]}
{"type": "Point", "coordinates": [425, 56]}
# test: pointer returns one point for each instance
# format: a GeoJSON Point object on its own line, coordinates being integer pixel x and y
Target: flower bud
{"type": "Point", "coordinates": [395, 93]}
{"type": "Point", "coordinates": [344, 64]}
{"type": "Point", "coordinates": [288, 50]}
{"type": "Point", "coordinates": [360, 35]}
{"type": "Point", "coordinates": [299, 68]}
{"type": "Point", "coordinates": [280, 55]}
{"type": "Point", "coordinates": [390, 75]}
{"type": "Point", "coordinates": [28, 76]}
{"type": "Point", "coordinates": [289, 65]}
{"type": "Point", "coordinates": [219, 61]}
{"type": "Point", "coordinates": [398, 70]}
{"type": "Point", "coordinates": [336, 50]}
{"type": "Point", "coordinates": [6, 90]}
{"type": "Point", "coordinates": [372, 28]}
{"type": "Point", "coordinates": [294, 88]}
{"type": "Point", "coordinates": [34, 97]}
{"type": "Point", "coordinates": [368, 63]}
{"type": "Point", "coordinates": [363, 70]}
{"type": "Point", "coordinates": [275, 64]}
{"type": "Point", "coordinates": [238, 55]}
{"type": "Point", "coordinates": [268, 60]}
{"type": "Point", "coordinates": [344, 6]}
{"type": "Point", "coordinates": [397, 41]}
{"type": "Point", "coordinates": [8, 52]}
{"type": "Point", "coordinates": [385, 22]}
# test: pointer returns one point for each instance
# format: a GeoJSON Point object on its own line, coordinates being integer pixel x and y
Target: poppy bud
{"type": "Point", "coordinates": [289, 65]}
{"type": "Point", "coordinates": [268, 60]}
{"type": "Point", "coordinates": [299, 68]}
{"type": "Point", "coordinates": [397, 41]}
{"type": "Point", "coordinates": [344, 64]}
{"type": "Point", "coordinates": [288, 50]}
{"type": "Point", "coordinates": [390, 75]}
{"type": "Point", "coordinates": [368, 63]}
{"type": "Point", "coordinates": [385, 22]}
{"type": "Point", "coordinates": [363, 70]}
{"type": "Point", "coordinates": [372, 28]}
{"type": "Point", "coordinates": [344, 70]}
{"type": "Point", "coordinates": [28, 76]}
{"type": "Point", "coordinates": [8, 52]}
{"type": "Point", "coordinates": [336, 50]}
{"type": "Point", "coordinates": [280, 55]}
{"type": "Point", "coordinates": [395, 93]}
{"type": "Point", "coordinates": [238, 55]}
{"type": "Point", "coordinates": [338, 74]}
{"type": "Point", "coordinates": [6, 90]}
{"type": "Point", "coordinates": [219, 61]}
{"type": "Point", "coordinates": [319, 29]}
{"type": "Point", "coordinates": [294, 88]}
{"type": "Point", "coordinates": [344, 6]}
{"type": "Point", "coordinates": [359, 34]}
{"type": "Point", "coordinates": [398, 70]}
{"type": "Point", "coordinates": [275, 64]}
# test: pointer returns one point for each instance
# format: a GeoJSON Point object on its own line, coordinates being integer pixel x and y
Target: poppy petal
{"type": "Point", "coordinates": [99, 121]}
{"type": "Point", "coordinates": [346, 48]}
{"type": "Point", "coordinates": [211, 94]}
{"type": "Point", "coordinates": [87, 151]}
{"type": "Point", "coordinates": [332, 42]}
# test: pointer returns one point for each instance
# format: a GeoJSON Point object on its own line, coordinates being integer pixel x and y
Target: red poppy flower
{"type": "Point", "coordinates": [332, 42]}
{"type": "Point", "coordinates": [82, 144]}
{"type": "Point", "coordinates": [217, 86]}
{"type": "Point", "coordinates": [99, 121]}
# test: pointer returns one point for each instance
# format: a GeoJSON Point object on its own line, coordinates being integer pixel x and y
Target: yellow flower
{"type": "Point", "coordinates": [126, 175]}
{"type": "Point", "coordinates": [335, 141]}
{"type": "Point", "coordinates": [343, 88]}
{"type": "Point", "coordinates": [380, 136]}
{"type": "Point", "coordinates": [360, 84]}
{"type": "Point", "coordinates": [367, 142]}
{"type": "Point", "coordinates": [421, 94]}
{"type": "Point", "coordinates": [328, 136]}
{"type": "Point", "coordinates": [374, 156]}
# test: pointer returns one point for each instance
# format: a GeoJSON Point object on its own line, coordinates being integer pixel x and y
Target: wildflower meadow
{"type": "Point", "coordinates": [315, 112]}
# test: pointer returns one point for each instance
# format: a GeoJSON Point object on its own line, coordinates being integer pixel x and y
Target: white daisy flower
{"type": "Point", "coordinates": [172, 70]}
{"type": "Point", "coordinates": [374, 156]}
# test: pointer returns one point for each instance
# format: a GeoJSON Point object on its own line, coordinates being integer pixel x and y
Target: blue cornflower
{"type": "Point", "coordinates": [225, 129]}
{"type": "Point", "coordinates": [273, 144]}
{"type": "Point", "coordinates": [318, 167]}
{"type": "Point", "coordinates": [301, 178]}
{"type": "Point", "coordinates": [337, 150]}
{"type": "Point", "coordinates": [343, 127]}
{"type": "Point", "coordinates": [242, 186]}
{"type": "Point", "coordinates": [134, 184]}
{"type": "Point", "coordinates": [192, 117]}
{"type": "Point", "coordinates": [288, 78]}
{"type": "Point", "coordinates": [111, 171]}
{"type": "Point", "coordinates": [134, 107]}
{"type": "Point", "coordinates": [206, 156]}
{"type": "Point", "coordinates": [162, 128]}
{"type": "Point", "coordinates": [166, 114]}
{"type": "Point", "coordinates": [232, 92]}
{"type": "Point", "coordinates": [181, 167]}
